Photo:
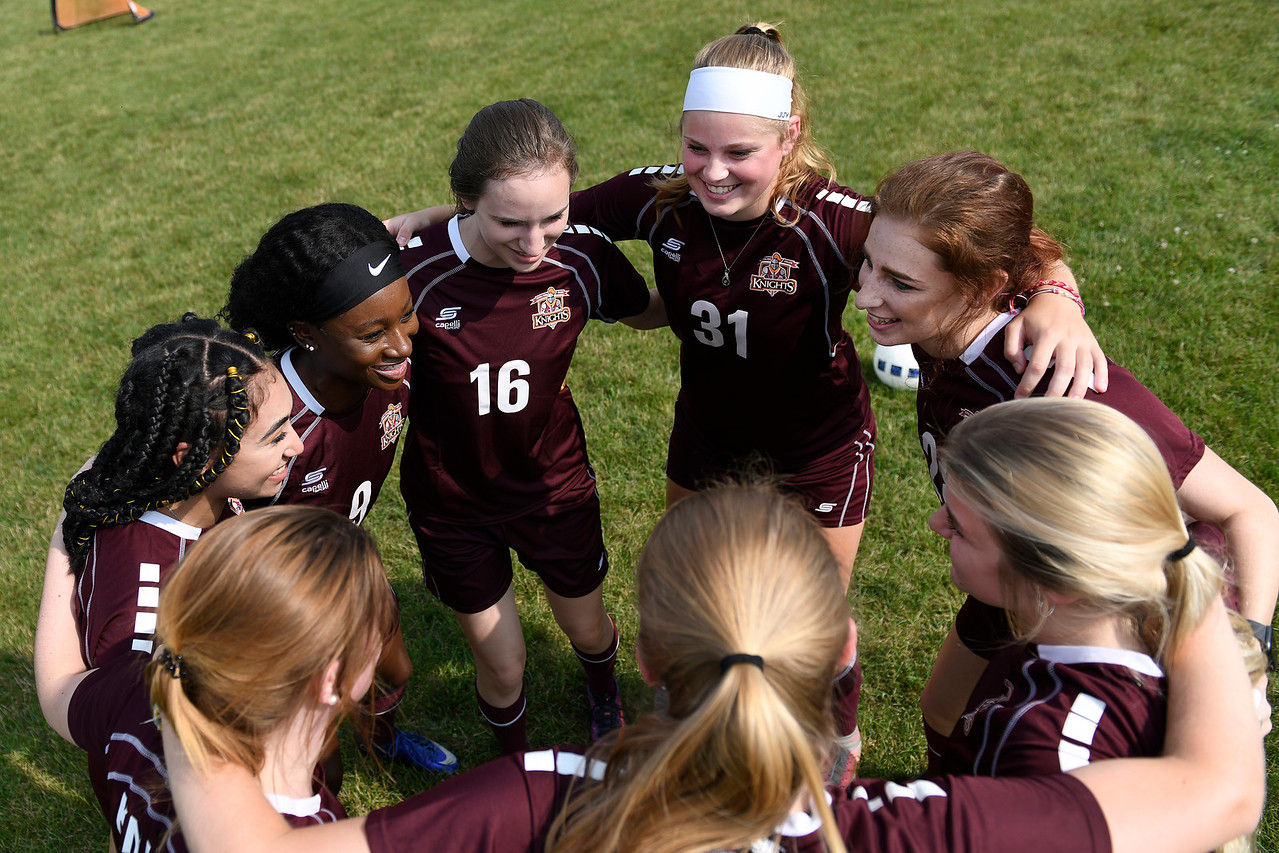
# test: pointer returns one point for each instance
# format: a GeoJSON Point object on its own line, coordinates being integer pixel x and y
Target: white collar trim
{"type": "Point", "coordinates": [295, 382]}
{"type": "Point", "coordinates": [1137, 661]}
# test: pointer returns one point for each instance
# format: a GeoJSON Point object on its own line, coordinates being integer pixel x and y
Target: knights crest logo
{"type": "Point", "coordinates": [392, 422]}
{"type": "Point", "coordinates": [774, 275]}
{"type": "Point", "coordinates": [549, 309]}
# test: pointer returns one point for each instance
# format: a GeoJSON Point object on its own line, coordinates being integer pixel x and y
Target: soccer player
{"type": "Point", "coordinates": [495, 458]}
{"type": "Point", "coordinates": [201, 419]}
{"type": "Point", "coordinates": [742, 619]}
{"type": "Point", "coordinates": [325, 291]}
{"type": "Point", "coordinates": [1062, 513]}
{"type": "Point", "coordinates": [267, 635]}
{"type": "Point", "coordinates": [952, 245]}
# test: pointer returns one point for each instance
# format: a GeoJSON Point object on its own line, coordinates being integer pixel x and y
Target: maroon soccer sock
{"type": "Point", "coordinates": [599, 667]}
{"type": "Point", "coordinates": [383, 722]}
{"type": "Point", "coordinates": [848, 691]}
{"type": "Point", "coordinates": [508, 724]}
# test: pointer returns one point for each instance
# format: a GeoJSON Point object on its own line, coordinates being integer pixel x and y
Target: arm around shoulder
{"type": "Point", "coordinates": [405, 225]}
{"type": "Point", "coordinates": [1054, 323]}
{"type": "Point", "coordinates": [224, 809]}
{"type": "Point", "coordinates": [1215, 492]}
{"type": "Point", "coordinates": [652, 317]}
{"type": "Point", "coordinates": [57, 662]}
{"type": "Point", "coordinates": [1209, 785]}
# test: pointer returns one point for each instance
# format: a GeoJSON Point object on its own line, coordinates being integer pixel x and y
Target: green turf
{"type": "Point", "coordinates": [141, 162]}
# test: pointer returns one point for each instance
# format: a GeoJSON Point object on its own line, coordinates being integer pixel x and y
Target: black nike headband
{"type": "Point", "coordinates": [357, 278]}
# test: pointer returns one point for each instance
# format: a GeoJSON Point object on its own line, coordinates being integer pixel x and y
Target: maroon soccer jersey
{"type": "Point", "coordinates": [110, 717]}
{"type": "Point", "coordinates": [119, 587]}
{"type": "Point", "coordinates": [1050, 709]}
{"type": "Point", "coordinates": [765, 363]}
{"type": "Point", "coordinates": [953, 389]}
{"type": "Point", "coordinates": [347, 455]}
{"type": "Point", "coordinates": [508, 805]}
{"type": "Point", "coordinates": [494, 432]}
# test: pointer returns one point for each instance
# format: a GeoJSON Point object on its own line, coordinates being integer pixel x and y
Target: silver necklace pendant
{"type": "Point", "coordinates": [722, 259]}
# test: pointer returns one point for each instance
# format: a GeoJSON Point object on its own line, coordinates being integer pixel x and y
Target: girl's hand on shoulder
{"type": "Point", "coordinates": [1060, 336]}
{"type": "Point", "coordinates": [405, 225]}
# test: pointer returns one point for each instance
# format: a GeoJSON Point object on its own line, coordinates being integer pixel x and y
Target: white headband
{"type": "Point", "coordinates": [738, 90]}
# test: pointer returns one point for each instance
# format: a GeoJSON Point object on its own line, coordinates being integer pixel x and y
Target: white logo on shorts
{"type": "Point", "coordinates": [826, 507]}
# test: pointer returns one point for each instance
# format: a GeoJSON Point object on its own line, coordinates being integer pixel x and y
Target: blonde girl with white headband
{"type": "Point", "coordinates": [734, 762]}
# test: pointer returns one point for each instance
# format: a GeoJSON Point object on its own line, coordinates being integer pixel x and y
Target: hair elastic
{"type": "Point", "coordinates": [361, 275]}
{"type": "Point", "coordinates": [729, 661]}
{"type": "Point", "coordinates": [236, 422]}
{"type": "Point", "coordinates": [172, 663]}
{"type": "Point", "coordinates": [1184, 551]}
{"type": "Point", "coordinates": [739, 90]}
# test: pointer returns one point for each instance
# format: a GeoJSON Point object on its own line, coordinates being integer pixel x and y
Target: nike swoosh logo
{"type": "Point", "coordinates": [376, 271]}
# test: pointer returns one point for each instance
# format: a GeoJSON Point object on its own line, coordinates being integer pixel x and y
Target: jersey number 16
{"type": "Point", "coordinates": [512, 391]}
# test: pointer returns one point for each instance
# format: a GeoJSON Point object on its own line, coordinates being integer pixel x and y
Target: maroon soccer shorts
{"type": "Point", "coordinates": [835, 487]}
{"type": "Point", "coordinates": [468, 567]}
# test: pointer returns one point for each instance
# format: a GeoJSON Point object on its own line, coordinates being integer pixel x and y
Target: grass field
{"type": "Point", "coordinates": [140, 163]}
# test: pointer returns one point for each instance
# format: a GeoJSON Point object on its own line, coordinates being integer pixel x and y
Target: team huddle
{"type": "Point", "coordinates": [213, 610]}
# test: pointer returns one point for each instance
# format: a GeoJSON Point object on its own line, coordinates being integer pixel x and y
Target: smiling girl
{"type": "Point", "coordinates": [201, 419]}
{"type": "Point", "coordinates": [952, 245]}
{"type": "Point", "coordinates": [495, 457]}
{"type": "Point", "coordinates": [755, 252]}
{"type": "Point", "coordinates": [326, 292]}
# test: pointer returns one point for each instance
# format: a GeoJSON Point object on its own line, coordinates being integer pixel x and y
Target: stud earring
{"type": "Point", "coordinates": [293, 333]}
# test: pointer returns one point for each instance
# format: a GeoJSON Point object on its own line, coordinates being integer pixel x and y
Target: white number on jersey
{"type": "Point", "coordinates": [360, 502]}
{"type": "Point", "coordinates": [708, 316]}
{"type": "Point", "coordinates": [512, 392]}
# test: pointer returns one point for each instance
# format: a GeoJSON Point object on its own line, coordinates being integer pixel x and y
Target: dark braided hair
{"type": "Point", "coordinates": [274, 286]}
{"type": "Point", "coordinates": [188, 382]}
